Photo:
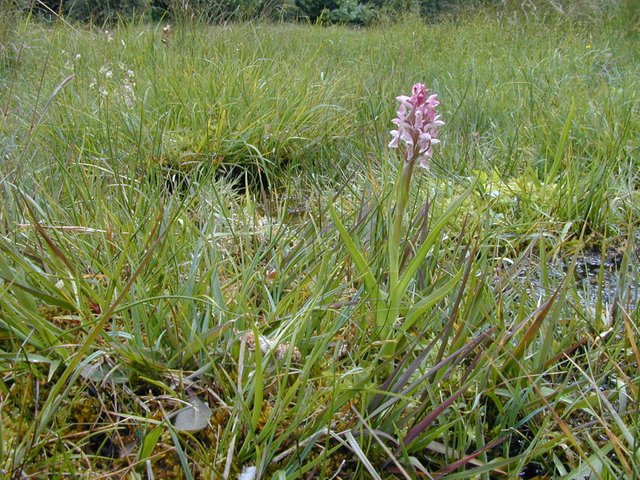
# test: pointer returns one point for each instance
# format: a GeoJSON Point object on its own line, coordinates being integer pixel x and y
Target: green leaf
{"type": "Point", "coordinates": [358, 259]}
{"type": "Point", "coordinates": [49, 299]}
{"type": "Point", "coordinates": [258, 393]}
{"type": "Point", "coordinates": [421, 254]}
{"type": "Point", "coordinates": [553, 171]}
{"type": "Point", "coordinates": [184, 460]}
{"type": "Point", "coordinates": [53, 368]}
{"type": "Point", "coordinates": [149, 443]}
{"type": "Point", "coordinates": [24, 356]}
{"type": "Point", "coordinates": [537, 319]}
{"type": "Point", "coordinates": [200, 342]}
{"type": "Point", "coordinates": [427, 302]}
{"type": "Point", "coordinates": [9, 275]}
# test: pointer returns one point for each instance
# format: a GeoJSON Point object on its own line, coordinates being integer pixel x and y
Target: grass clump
{"type": "Point", "coordinates": [179, 298]}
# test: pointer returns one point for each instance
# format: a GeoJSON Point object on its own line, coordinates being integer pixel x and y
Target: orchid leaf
{"type": "Point", "coordinates": [357, 257]}
{"type": "Point", "coordinates": [424, 249]}
{"type": "Point", "coordinates": [427, 302]}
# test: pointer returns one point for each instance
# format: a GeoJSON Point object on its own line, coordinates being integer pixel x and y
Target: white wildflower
{"type": "Point", "coordinates": [106, 71]}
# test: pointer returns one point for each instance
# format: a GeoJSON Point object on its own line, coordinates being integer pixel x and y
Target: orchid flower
{"type": "Point", "coordinates": [417, 128]}
{"type": "Point", "coordinates": [417, 125]}
{"type": "Point", "coordinates": [390, 291]}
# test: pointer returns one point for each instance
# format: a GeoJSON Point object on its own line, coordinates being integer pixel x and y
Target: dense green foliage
{"type": "Point", "coordinates": [355, 12]}
{"type": "Point", "coordinates": [191, 221]}
{"type": "Point", "coordinates": [352, 12]}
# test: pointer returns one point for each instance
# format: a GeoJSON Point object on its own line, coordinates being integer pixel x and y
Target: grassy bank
{"type": "Point", "coordinates": [177, 297]}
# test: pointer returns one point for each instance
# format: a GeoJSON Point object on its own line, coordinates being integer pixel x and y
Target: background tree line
{"type": "Point", "coordinates": [356, 12]}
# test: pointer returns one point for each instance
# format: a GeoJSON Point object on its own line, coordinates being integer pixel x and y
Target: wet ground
{"type": "Point", "coordinates": [600, 276]}
{"type": "Point", "coordinates": [609, 276]}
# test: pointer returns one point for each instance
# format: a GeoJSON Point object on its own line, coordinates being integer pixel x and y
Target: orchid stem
{"type": "Point", "coordinates": [402, 186]}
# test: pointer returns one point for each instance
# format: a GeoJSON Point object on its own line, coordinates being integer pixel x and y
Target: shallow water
{"type": "Point", "coordinates": [598, 277]}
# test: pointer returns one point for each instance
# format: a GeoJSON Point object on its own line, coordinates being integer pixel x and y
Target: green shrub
{"type": "Point", "coordinates": [316, 9]}
{"type": "Point", "coordinates": [353, 13]}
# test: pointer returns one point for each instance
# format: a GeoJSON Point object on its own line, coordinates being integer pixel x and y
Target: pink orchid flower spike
{"type": "Point", "coordinates": [417, 125]}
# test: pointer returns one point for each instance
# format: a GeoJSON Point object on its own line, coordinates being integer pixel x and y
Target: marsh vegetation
{"type": "Point", "coordinates": [192, 225]}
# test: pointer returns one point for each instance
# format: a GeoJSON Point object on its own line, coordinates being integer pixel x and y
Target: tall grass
{"type": "Point", "coordinates": [166, 237]}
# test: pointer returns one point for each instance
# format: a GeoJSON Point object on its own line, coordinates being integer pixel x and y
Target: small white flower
{"type": "Point", "coordinates": [106, 71]}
